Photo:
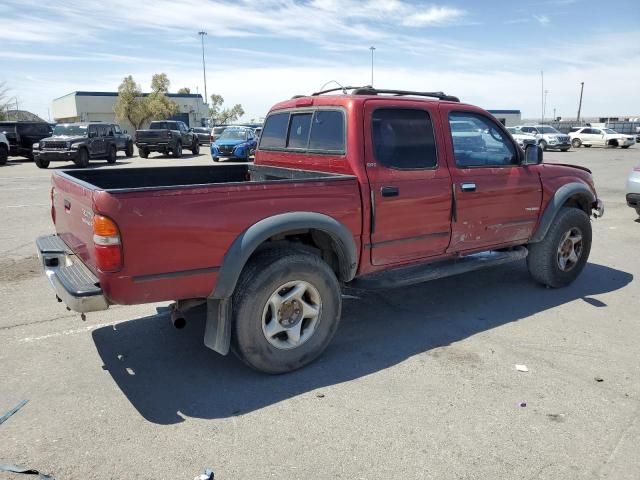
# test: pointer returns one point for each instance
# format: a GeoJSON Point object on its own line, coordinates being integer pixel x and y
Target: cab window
{"type": "Point", "coordinates": [482, 143]}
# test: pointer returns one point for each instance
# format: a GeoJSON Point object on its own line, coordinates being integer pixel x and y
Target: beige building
{"type": "Point", "coordinates": [98, 106]}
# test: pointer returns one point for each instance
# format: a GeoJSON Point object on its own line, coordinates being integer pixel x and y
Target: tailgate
{"type": "Point", "coordinates": [152, 134]}
{"type": "Point", "coordinates": [73, 204]}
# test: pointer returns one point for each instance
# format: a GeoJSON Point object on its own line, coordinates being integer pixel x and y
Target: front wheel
{"type": "Point", "coordinates": [286, 309]}
{"type": "Point", "coordinates": [625, 146]}
{"type": "Point", "coordinates": [564, 149]}
{"type": "Point", "coordinates": [113, 154]}
{"type": "Point", "coordinates": [143, 152]}
{"type": "Point", "coordinates": [576, 142]}
{"type": "Point", "coordinates": [195, 147]}
{"type": "Point", "coordinates": [559, 258]}
{"type": "Point", "coordinates": [4, 154]}
{"type": "Point", "coordinates": [542, 145]}
{"type": "Point", "coordinates": [41, 163]}
{"type": "Point", "coordinates": [215, 159]}
{"type": "Point", "coordinates": [82, 160]}
{"type": "Point", "coordinates": [129, 150]}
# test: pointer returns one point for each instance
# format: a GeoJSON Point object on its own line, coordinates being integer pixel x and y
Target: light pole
{"type": "Point", "coordinates": [202, 33]}
{"type": "Point", "coordinates": [372, 48]}
{"type": "Point", "coordinates": [544, 105]}
{"type": "Point", "coordinates": [580, 102]}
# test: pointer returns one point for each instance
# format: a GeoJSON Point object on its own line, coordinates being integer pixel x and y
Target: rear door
{"type": "Point", "coordinates": [598, 137]}
{"type": "Point", "coordinates": [410, 183]}
{"type": "Point", "coordinates": [497, 200]}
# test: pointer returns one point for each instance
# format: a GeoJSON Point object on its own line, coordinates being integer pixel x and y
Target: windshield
{"type": "Point", "coordinates": [547, 130]}
{"type": "Point", "coordinates": [608, 130]}
{"type": "Point", "coordinates": [7, 127]}
{"type": "Point", "coordinates": [218, 130]}
{"type": "Point", "coordinates": [70, 130]}
{"type": "Point", "coordinates": [232, 134]}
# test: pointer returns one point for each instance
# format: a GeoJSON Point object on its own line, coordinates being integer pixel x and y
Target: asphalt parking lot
{"type": "Point", "coordinates": [418, 383]}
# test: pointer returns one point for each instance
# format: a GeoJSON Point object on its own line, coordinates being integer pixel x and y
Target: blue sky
{"type": "Point", "coordinates": [259, 52]}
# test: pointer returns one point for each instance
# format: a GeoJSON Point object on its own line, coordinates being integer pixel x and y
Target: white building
{"type": "Point", "coordinates": [509, 118]}
{"type": "Point", "coordinates": [98, 106]}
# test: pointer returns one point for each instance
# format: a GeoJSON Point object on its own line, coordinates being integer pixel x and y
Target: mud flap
{"type": "Point", "coordinates": [217, 330]}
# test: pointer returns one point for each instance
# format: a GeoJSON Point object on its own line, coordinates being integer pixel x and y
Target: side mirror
{"type": "Point", "coordinates": [532, 155]}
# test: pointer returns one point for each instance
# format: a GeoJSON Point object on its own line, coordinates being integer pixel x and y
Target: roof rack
{"type": "Point", "coordinates": [369, 90]}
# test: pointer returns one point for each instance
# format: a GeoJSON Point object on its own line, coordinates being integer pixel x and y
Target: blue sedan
{"type": "Point", "coordinates": [234, 143]}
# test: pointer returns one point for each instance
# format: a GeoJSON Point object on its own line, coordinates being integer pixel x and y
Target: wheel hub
{"type": "Point", "coordinates": [570, 249]}
{"type": "Point", "coordinates": [290, 313]}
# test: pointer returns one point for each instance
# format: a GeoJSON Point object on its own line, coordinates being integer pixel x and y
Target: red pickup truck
{"type": "Point", "coordinates": [371, 189]}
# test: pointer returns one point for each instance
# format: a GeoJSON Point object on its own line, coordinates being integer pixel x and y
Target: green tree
{"type": "Point", "coordinates": [219, 115]}
{"type": "Point", "coordinates": [131, 105]}
{"type": "Point", "coordinates": [159, 105]}
{"type": "Point", "coordinates": [184, 90]}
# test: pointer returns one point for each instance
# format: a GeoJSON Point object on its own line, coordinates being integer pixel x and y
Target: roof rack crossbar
{"type": "Point", "coordinates": [369, 90]}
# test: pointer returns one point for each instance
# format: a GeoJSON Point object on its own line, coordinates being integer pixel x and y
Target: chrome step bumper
{"type": "Point", "coordinates": [73, 282]}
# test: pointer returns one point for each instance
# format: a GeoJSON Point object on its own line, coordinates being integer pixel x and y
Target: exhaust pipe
{"type": "Point", "coordinates": [177, 319]}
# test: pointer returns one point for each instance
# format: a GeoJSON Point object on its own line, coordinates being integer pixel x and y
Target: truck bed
{"type": "Point", "coordinates": [177, 223]}
{"type": "Point", "coordinates": [137, 179]}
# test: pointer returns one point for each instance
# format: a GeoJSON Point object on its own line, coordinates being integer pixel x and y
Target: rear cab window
{"type": "Point", "coordinates": [320, 131]}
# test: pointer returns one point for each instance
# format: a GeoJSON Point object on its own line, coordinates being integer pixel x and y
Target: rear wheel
{"type": "Point", "coordinates": [195, 147]}
{"type": "Point", "coordinates": [177, 150]}
{"type": "Point", "coordinates": [625, 146]}
{"type": "Point", "coordinates": [286, 310]}
{"type": "Point", "coordinates": [113, 154]}
{"type": "Point", "coordinates": [129, 150]}
{"type": "Point", "coordinates": [82, 160]}
{"type": "Point", "coordinates": [41, 163]}
{"type": "Point", "coordinates": [144, 153]}
{"type": "Point", "coordinates": [4, 154]}
{"type": "Point", "coordinates": [575, 143]}
{"type": "Point", "coordinates": [559, 258]}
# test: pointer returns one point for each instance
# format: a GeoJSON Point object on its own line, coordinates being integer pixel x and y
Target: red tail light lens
{"type": "Point", "coordinates": [106, 240]}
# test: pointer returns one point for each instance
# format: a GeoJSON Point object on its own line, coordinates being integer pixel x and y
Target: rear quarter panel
{"type": "Point", "coordinates": [170, 236]}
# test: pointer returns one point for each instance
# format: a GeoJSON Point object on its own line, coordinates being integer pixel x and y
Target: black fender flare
{"type": "Point", "coordinates": [248, 241]}
{"type": "Point", "coordinates": [561, 196]}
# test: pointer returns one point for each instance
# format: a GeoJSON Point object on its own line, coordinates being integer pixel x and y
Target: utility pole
{"type": "Point", "coordinates": [580, 102]}
{"type": "Point", "coordinates": [372, 48]}
{"type": "Point", "coordinates": [202, 33]}
{"type": "Point", "coordinates": [554, 114]}
{"type": "Point", "coordinates": [542, 97]}
{"type": "Point", "coordinates": [544, 106]}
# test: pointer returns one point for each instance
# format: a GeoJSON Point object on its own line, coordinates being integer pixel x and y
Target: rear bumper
{"type": "Point", "coordinates": [154, 147]}
{"type": "Point", "coordinates": [73, 283]}
{"type": "Point", "coordinates": [598, 208]}
{"type": "Point", "coordinates": [633, 200]}
{"type": "Point", "coordinates": [53, 155]}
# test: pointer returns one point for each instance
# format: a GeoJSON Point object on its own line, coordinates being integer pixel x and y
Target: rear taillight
{"type": "Point", "coordinates": [106, 240]}
{"type": "Point", "coordinates": [53, 207]}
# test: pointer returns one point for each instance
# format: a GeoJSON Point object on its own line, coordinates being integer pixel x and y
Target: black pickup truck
{"type": "Point", "coordinates": [166, 136]}
{"type": "Point", "coordinates": [22, 135]}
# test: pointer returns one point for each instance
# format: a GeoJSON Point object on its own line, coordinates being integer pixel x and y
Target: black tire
{"type": "Point", "coordinates": [4, 154]}
{"type": "Point", "coordinates": [195, 148]}
{"type": "Point", "coordinates": [41, 163]}
{"type": "Point", "coordinates": [576, 142]}
{"type": "Point", "coordinates": [543, 259]}
{"type": "Point", "coordinates": [564, 149]}
{"type": "Point", "coordinates": [543, 145]}
{"type": "Point", "coordinates": [587, 146]}
{"type": "Point", "coordinates": [144, 153]}
{"type": "Point", "coordinates": [129, 150]}
{"type": "Point", "coordinates": [259, 281]}
{"type": "Point", "coordinates": [177, 150]}
{"type": "Point", "coordinates": [113, 154]}
{"type": "Point", "coordinates": [215, 159]}
{"type": "Point", "coordinates": [82, 160]}
{"type": "Point", "coordinates": [625, 146]}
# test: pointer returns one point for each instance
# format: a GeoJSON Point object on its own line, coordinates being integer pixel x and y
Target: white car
{"type": "Point", "coordinates": [4, 149]}
{"type": "Point", "coordinates": [547, 136]}
{"type": "Point", "coordinates": [633, 189]}
{"type": "Point", "coordinates": [601, 137]}
{"type": "Point", "coordinates": [522, 138]}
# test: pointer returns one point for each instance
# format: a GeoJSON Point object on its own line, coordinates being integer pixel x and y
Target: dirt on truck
{"type": "Point", "coordinates": [367, 189]}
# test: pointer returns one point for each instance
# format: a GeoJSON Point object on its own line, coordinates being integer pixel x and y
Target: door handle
{"type": "Point", "coordinates": [468, 187]}
{"type": "Point", "coordinates": [390, 191]}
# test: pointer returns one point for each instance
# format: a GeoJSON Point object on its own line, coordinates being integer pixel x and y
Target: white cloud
{"type": "Point", "coordinates": [542, 19]}
{"type": "Point", "coordinates": [433, 16]}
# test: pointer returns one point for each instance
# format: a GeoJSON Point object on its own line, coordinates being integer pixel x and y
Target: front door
{"type": "Point", "coordinates": [410, 186]}
{"type": "Point", "coordinates": [497, 199]}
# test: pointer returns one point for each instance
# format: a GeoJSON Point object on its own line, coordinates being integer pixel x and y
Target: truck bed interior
{"type": "Point", "coordinates": [170, 177]}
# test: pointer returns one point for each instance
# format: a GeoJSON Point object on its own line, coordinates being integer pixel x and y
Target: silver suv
{"type": "Point", "coordinates": [547, 136]}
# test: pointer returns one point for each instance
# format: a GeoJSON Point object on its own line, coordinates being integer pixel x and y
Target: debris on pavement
{"type": "Point", "coordinates": [26, 471]}
{"type": "Point", "coordinates": [599, 379]}
{"type": "Point", "coordinates": [207, 475]}
{"type": "Point", "coordinates": [320, 395]}
{"type": "Point", "coordinates": [521, 368]}
{"type": "Point", "coordinates": [6, 416]}
{"type": "Point", "coordinates": [522, 404]}
{"type": "Point", "coordinates": [556, 417]}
